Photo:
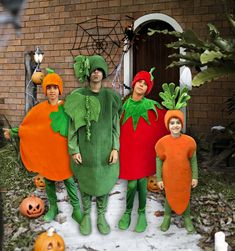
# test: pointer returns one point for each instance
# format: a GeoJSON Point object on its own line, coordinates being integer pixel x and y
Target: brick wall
{"type": "Point", "coordinates": [207, 106]}
{"type": "Point", "coordinates": [52, 26]}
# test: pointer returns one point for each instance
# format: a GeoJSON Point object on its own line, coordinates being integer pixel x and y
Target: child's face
{"type": "Point", "coordinates": [140, 87]}
{"type": "Point", "coordinates": [175, 126]}
{"type": "Point", "coordinates": [96, 76]}
{"type": "Point", "coordinates": [52, 93]}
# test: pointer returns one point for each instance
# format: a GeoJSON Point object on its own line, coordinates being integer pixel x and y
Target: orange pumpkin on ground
{"type": "Point", "coordinates": [49, 240]}
{"type": "Point", "coordinates": [152, 184]}
{"type": "Point", "coordinates": [39, 181]}
{"type": "Point", "coordinates": [32, 207]}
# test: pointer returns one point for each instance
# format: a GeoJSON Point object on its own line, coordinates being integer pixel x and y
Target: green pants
{"type": "Point", "coordinates": [71, 188]}
{"type": "Point", "coordinates": [133, 186]}
{"type": "Point", "coordinates": [168, 209]}
{"type": "Point", "coordinates": [101, 203]}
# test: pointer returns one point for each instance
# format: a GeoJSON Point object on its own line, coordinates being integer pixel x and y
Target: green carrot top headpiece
{"type": "Point", "coordinates": [173, 97]}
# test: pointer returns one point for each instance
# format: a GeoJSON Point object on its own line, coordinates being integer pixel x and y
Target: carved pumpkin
{"type": "Point", "coordinates": [32, 207]}
{"type": "Point", "coordinates": [152, 184]}
{"type": "Point", "coordinates": [37, 77]}
{"type": "Point", "coordinates": [49, 241]}
{"type": "Point", "coordinates": [39, 181]}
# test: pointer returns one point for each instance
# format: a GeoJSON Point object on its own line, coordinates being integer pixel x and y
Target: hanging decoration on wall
{"type": "Point", "coordinates": [99, 36]}
{"type": "Point", "coordinates": [129, 35]}
{"type": "Point", "coordinates": [104, 37]}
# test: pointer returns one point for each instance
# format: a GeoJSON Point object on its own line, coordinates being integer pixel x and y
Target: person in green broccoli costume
{"type": "Point", "coordinates": [93, 138]}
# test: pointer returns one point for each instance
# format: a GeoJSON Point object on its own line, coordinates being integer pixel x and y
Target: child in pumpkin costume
{"type": "Point", "coordinates": [94, 138]}
{"type": "Point", "coordinates": [177, 169]}
{"type": "Point", "coordinates": [142, 124]}
{"type": "Point", "coordinates": [44, 151]}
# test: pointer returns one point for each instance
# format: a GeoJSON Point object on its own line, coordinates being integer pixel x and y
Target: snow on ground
{"type": "Point", "coordinates": [152, 239]}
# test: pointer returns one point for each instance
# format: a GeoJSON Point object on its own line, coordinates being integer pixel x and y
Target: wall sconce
{"type": "Point", "coordinates": [38, 55]}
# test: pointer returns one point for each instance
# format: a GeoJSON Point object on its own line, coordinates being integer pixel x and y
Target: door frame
{"type": "Point", "coordinates": [128, 56]}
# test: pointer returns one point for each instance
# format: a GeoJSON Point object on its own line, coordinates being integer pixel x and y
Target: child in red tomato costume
{"type": "Point", "coordinates": [142, 124]}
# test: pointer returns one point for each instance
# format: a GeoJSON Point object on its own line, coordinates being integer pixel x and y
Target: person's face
{"type": "Point", "coordinates": [52, 93]}
{"type": "Point", "coordinates": [175, 126]}
{"type": "Point", "coordinates": [140, 87]}
{"type": "Point", "coordinates": [96, 76]}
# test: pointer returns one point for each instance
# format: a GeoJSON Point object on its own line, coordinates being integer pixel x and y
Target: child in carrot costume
{"type": "Point", "coordinates": [177, 169]}
{"type": "Point", "coordinates": [45, 151]}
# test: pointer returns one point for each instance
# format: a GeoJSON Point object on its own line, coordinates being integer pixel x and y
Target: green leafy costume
{"type": "Point", "coordinates": [94, 133]}
{"type": "Point", "coordinates": [95, 149]}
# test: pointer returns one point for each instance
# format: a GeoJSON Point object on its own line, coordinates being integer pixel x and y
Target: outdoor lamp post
{"type": "Point", "coordinates": [34, 77]}
{"type": "Point", "coordinates": [38, 56]}
{"type": "Point", "coordinates": [37, 75]}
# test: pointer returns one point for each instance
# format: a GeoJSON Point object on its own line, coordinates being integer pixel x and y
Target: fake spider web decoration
{"type": "Point", "coordinates": [103, 37]}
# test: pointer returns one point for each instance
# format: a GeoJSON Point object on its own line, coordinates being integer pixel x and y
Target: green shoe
{"type": "Point", "coordinates": [189, 225]}
{"type": "Point", "coordinates": [77, 215]}
{"type": "Point", "coordinates": [51, 214]}
{"type": "Point", "coordinates": [125, 221]}
{"type": "Point", "coordinates": [102, 224]}
{"type": "Point", "coordinates": [166, 223]}
{"type": "Point", "coordinates": [141, 223]}
{"type": "Point", "coordinates": [85, 226]}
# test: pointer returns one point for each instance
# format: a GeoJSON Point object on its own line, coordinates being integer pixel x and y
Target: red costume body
{"type": "Point", "coordinates": [137, 147]}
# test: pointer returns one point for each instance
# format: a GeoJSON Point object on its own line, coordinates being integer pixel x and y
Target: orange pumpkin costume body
{"type": "Point", "coordinates": [177, 173]}
{"type": "Point", "coordinates": [42, 150]}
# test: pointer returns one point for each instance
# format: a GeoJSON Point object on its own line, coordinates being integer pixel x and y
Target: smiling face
{"type": "Point", "coordinates": [175, 127]}
{"type": "Point", "coordinates": [52, 93]}
{"type": "Point", "coordinates": [140, 88]}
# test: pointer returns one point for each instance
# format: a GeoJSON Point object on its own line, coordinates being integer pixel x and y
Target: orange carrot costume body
{"type": "Point", "coordinates": [177, 169]}
{"type": "Point", "coordinates": [177, 173]}
{"type": "Point", "coordinates": [42, 150]}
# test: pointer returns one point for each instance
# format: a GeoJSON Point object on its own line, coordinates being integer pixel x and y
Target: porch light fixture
{"type": "Point", "coordinates": [38, 55]}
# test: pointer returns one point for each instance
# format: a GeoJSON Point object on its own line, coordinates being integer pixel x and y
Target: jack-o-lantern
{"type": "Point", "coordinates": [152, 184]}
{"type": "Point", "coordinates": [37, 77]}
{"type": "Point", "coordinates": [32, 207]}
{"type": "Point", "coordinates": [49, 241]}
{"type": "Point", "coordinates": [39, 181]}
